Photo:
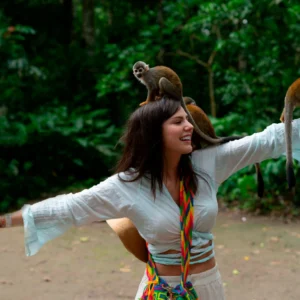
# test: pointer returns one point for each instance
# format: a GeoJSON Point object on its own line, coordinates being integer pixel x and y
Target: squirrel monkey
{"type": "Point", "coordinates": [206, 126]}
{"type": "Point", "coordinates": [162, 80]}
{"type": "Point", "coordinates": [292, 99]}
{"type": "Point", "coordinates": [150, 78]}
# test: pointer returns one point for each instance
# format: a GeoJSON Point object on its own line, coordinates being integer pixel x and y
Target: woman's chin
{"type": "Point", "coordinates": [187, 150]}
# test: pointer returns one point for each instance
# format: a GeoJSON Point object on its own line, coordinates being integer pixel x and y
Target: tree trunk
{"type": "Point", "coordinates": [160, 20]}
{"type": "Point", "coordinates": [68, 20]}
{"type": "Point", "coordinates": [213, 109]}
{"type": "Point", "coordinates": [88, 25]}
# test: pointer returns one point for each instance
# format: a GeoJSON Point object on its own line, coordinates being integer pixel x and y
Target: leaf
{"type": "Point", "coordinates": [274, 239]}
{"type": "Point", "coordinates": [275, 263]}
{"type": "Point", "coordinates": [125, 270]}
{"type": "Point", "coordinates": [84, 239]}
{"type": "Point", "coordinates": [235, 272]}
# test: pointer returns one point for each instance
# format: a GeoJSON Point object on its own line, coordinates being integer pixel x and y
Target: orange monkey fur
{"type": "Point", "coordinates": [292, 100]}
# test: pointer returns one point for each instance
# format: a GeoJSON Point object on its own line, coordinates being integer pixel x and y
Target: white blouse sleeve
{"type": "Point", "coordinates": [270, 143]}
{"type": "Point", "coordinates": [50, 218]}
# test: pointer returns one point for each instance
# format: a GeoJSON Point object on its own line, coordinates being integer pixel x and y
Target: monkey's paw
{"type": "Point", "coordinates": [143, 103]}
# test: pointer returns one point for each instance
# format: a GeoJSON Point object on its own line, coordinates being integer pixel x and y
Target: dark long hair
{"type": "Point", "coordinates": [143, 145]}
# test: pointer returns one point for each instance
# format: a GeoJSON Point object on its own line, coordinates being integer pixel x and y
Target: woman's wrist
{"type": "Point", "coordinates": [5, 221]}
{"type": "Point", "coordinates": [2, 222]}
{"type": "Point", "coordinates": [9, 220]}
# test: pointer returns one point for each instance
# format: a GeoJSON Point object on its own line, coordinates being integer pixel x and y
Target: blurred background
{"type": "Point", "coordinates": [67, 86]}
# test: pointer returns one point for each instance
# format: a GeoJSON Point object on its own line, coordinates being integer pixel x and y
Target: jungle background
{"type": "Point", "coordinates": [67, 88]}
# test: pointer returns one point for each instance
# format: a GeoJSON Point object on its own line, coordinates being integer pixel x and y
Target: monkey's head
{"type": "Point", "coordinates": [189, 100]}
{"type": "Point", "coordinates": [139, 68]}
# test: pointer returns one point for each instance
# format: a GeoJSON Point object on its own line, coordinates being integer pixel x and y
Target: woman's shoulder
{"type": "Point", "coordinates": [126, 176]}
{"type": "Point", "coordinates": [122, 180]}
{"type": "Point", "coordinates": [203, 160]}
{"type": "Point", "coordinates": [114, 188]}
{"type": "Point", "coordinates": [204, 153]}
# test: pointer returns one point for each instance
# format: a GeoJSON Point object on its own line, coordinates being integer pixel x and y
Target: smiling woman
{"type": "Point", "coordinates": [153, 145]}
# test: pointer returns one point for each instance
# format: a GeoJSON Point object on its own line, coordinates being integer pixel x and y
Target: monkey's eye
{"type": "Point", "coordinates": [140, 70]}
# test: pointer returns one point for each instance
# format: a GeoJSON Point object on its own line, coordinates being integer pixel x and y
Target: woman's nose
{"type": "Point", "coordinates": [189, 126]}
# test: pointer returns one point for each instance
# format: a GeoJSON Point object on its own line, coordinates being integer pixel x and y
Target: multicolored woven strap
{"type": "Point", "coordinates": [158, 288]}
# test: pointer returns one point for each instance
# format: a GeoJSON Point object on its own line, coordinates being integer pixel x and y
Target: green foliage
{"type": "Point", "coordinates": [46, 141]}
{"type": "Point", "coordinates": [63, 103]}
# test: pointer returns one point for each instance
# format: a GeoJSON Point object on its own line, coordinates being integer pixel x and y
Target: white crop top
{"type": "Point", "coordinates": [156, 220]}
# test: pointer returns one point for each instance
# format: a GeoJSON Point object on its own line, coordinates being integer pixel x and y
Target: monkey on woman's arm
{"type": "Point", "coordinates": [292, 100]}
{"type": "Point", "coordinates": [206, 126]}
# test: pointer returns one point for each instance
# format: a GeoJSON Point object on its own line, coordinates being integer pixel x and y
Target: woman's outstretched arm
{"type": "Point", "coordinates": [257, 147]}
{"type": "Point", "coordinates": [50, 218]}
{"type": "Point", "coordinates": [224, 160]}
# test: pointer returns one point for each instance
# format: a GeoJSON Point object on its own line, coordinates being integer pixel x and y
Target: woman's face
{"type": "Point", "coordinates": [177, 133]}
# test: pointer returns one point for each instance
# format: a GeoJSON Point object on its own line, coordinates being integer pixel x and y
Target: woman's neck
{"type": "Point", "coordinates": [171, 168]}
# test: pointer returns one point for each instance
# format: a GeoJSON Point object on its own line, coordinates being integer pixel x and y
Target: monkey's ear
{"type": "Point", "coordinates": [146, 67]}
{"type": "Point", "coordinates": [189, 100]}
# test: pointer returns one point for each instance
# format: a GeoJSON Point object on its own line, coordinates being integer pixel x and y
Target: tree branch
{"type": "Point", "coordinates": [207, 65]}
{"type": "Point", "coordinates": [213, 108]}
{"type": "Point", "coordinates": [211, 58]}
{"type": "Point", "coordinates": [196, 37]}
{"type": "Point", "coordinates": [217, 31]}
{"type": "Point", "coordinates": [192, 57]}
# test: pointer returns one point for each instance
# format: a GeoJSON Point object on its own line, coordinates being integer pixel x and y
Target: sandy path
{"type": "Point", "coordinates": [91, 263]}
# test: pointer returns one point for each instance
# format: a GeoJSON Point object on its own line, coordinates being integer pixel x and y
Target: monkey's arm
{"type": "Point", "coordinates": [130, 237]}
{"type": "Point", "coordinates": [229, 158]}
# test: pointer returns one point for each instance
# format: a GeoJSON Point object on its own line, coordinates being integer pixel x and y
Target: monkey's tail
{"type": "Point", "coordinates": [288, 117]}
{"type": "Point", "coordinates": [260, 181]}
{"type": "Point", "coordinates": [230, 138]}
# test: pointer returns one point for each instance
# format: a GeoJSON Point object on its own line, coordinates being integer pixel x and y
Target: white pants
{"type": "Point", "coordinates": [208, 284]}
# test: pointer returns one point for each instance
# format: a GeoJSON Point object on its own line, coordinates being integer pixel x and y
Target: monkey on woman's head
{"type": "Point", "coordinates": [150, 78]}
{"type": "Point", "coordinates": [162, 80]}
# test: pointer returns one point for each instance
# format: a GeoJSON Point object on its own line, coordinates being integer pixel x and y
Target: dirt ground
{"type": "Point", "coordinates": [258, 259]}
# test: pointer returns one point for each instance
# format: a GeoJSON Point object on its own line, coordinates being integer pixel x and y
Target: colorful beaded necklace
{"type": "Point", "coordinates": [158, 288]}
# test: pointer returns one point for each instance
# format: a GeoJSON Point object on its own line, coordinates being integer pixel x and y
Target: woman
{"type": "Point", "coordinates": [145, 189]}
